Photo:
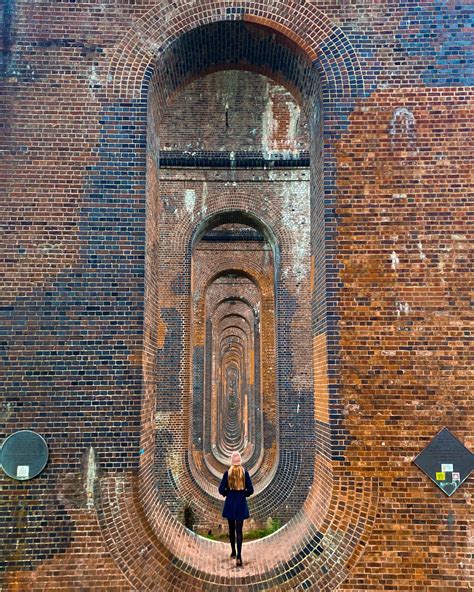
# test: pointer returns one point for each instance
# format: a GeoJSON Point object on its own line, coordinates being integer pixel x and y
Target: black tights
{"type": "Point", "coordinates": [235, 527]}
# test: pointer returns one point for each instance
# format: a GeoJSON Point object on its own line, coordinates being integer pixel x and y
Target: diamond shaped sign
{"type": "Point", "coordinates": [446, 461]}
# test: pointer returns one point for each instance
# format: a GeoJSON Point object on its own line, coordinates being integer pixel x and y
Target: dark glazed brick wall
{"type": "Point", "coordinates": [391, 247]}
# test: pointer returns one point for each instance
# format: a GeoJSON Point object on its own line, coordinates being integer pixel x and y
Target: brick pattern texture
{"type": "Point", "coordinates": [310, 163]}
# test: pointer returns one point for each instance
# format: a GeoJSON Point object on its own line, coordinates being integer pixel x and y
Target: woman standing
{"type": "Point", "coordinates": [236, 486]}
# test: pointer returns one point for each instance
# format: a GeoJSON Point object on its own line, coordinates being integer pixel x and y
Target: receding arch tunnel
{"type": "Point", "coordinates": [232, 403]}
{"type": "Point", "coordinates": [254, 146]}
{"type": "Point", "coordinates": [231, 131]}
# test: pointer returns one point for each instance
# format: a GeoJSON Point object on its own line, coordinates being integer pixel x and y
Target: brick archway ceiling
{"type": "Point", "coordinates": [306, 26]}
{"type": "Point", "coordinates": [228, 45]}
{"type": "Point", "coordinates": [234, 44]}
{"type": "Point", "coordinates": [250, 228]}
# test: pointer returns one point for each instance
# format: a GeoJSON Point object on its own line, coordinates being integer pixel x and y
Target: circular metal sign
{"type": "Point", "coordinates": [24, 455]}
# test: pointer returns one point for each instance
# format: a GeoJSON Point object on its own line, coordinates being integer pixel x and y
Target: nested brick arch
{"type": "Point", "coordinates": [328, 531]}
{"type": "Point", "coordinates": [231, 318]}
{"type": "Point", "coordinates": [249, 215]}
{"type": "Point", "coordinates": [237, 322]}
{"type": "Point", "coordinates": [237, 264]}
{"type": "Point", "coordinates": [233, 321]}
{"type": "Point", "coordinates": [222, 300]}
{"type": "Point", "coordinates": [234, 324]}
{"type": "Point", "coordinates": [207, 343]}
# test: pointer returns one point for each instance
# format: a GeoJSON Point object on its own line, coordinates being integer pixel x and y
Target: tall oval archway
{"type": "Point", "coordinates": [257, 125]}
{"type": "Point", "coordinates": [328, 53]}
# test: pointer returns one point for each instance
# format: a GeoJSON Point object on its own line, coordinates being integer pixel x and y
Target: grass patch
{"type": "Point", "coordinates": [271, 526]}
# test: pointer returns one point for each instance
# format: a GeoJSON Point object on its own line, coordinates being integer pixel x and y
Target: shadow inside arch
{"type": "Point", "coordinates": [307, 27]}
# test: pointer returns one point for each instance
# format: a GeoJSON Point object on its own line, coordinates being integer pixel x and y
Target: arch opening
{"type": "Point", "coordinates": [229, 192]}
{"type": "Point", "coordinates": [228, 179]}
{"type": "Point", "coordinates": [229, 406]}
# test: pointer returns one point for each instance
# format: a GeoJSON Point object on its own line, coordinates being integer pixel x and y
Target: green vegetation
{"type": "Point", "coordinates": [213, 537]}
{"type": "Point", "coordinates": [271, 526]}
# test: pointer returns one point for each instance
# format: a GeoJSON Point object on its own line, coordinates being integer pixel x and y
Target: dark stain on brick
{"type": "Point", "coordinates": [198, 374]}
{"type": "Point", "coordinates": [168, 362]}
{"type": "Point", "coordinates": [38, 526]}
{"type": "Point", "coordinates": [180, 285]}
{"type": "Point", "coordinates": [8, 12]}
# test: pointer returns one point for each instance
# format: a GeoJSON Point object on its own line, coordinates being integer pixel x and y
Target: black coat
{"type": "Point", "coordinates": [235, 505]}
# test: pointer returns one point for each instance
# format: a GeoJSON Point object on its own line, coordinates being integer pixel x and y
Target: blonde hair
{"type": "Point", "coordinates": [236, 477]}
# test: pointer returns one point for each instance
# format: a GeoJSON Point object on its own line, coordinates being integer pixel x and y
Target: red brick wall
{"type": "Point", "coordinates": [95, 262]}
